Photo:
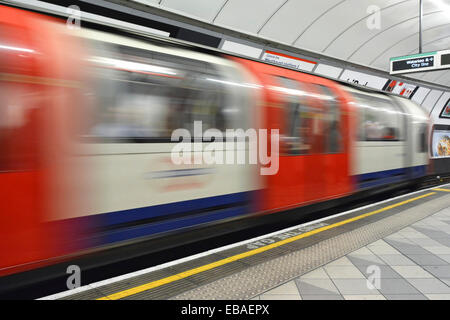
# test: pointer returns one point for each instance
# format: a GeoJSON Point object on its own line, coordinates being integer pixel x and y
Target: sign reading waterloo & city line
{"type": "Point", "coordinates": [419, 62]}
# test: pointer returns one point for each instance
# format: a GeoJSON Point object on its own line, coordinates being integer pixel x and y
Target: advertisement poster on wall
{"type": "Point", "coordinates": [441, 144]}
{"type": "Point", "coordinates": [404, 89]}
{"type": "Point", "coordinates": [445, 113]}
{"type": "Point", "coordinates": [401, 88]}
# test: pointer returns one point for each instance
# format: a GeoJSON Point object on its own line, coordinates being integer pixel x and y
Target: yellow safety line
{"type": "Point", "coordinates": [441, 189]}
{"type": "Point", "coordinates": [185, 274]}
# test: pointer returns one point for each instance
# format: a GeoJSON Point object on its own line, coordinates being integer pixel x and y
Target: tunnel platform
{"type": "Point", "coordinates": [394, 249]}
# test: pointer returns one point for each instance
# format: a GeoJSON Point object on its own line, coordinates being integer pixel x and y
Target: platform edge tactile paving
{"type": "Point", "coordinates": [260, 278]}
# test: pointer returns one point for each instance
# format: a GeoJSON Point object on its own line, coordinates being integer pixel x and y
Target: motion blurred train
{"type": "Point", "coordinates": [86, 119]}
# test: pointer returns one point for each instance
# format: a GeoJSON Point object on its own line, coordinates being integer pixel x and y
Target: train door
{"type": "Point", "coordinates": [296, 179]}
{"type": "Point", "coordinates": [32, 140]}
{"type": "Point", "coordinates": [300, 177]}
{"type": "Point", "coordinates": [324, 127]}
{"type": "Point", "coordinates": [335, 135]}
{"type": "Point", "coordinates": [284, 101]}
{"type": "Point", "coordinates": [314, 157]}
{"type": "Point", "coordinates": [21, 179]}
{"type": "Point", "coordinates": [304, 139]}
{"type": "Point", "coordinates": [311, 114]}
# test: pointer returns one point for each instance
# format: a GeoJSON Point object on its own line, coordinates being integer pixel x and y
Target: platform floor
{"type": "Point", "coordinates": [405, 240]}
{"type": "Point", "coordinates": [413, 264]}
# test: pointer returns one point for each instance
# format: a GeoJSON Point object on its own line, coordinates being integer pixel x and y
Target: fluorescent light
{"type": "Point", "coordinates": [16, 49]}
{"type": "Point", "coordinates": [246, 85]}
{"type": "Point", "coordinates": [295, 92]}
{"type": "Point", "coordinates": [132, 66]}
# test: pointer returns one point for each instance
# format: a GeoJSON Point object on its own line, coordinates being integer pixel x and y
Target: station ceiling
{"type": "Point", "coordinates": [336, 28]}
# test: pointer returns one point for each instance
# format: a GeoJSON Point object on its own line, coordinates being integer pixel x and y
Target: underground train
{"type": "Point", "coordinates": [86, 137]}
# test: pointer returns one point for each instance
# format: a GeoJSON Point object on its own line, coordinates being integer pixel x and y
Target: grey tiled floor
{"type": "Point", "coordinates": [413, 264]}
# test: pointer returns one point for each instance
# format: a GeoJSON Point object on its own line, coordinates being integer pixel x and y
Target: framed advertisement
{"type": "Point", "coordinates": [445, 113]}
{"type": "Point", "coordinates": [440, 142]}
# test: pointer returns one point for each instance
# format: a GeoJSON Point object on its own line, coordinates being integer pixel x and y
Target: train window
{"type": "Point", "coordinates": [312, 118]}
{"type": "Point", "coordinates": [422, 141]}
{"type": "Point", "coordinates": [19, 131]}
{"type": "Point", "coordinates": [331, 124]}
{"type": "Point", "coordinates": [379, 120]}
{"type": "Point", "coordinates": [296, 134]}
{"type": "Point", "coordinates": [142, 95]}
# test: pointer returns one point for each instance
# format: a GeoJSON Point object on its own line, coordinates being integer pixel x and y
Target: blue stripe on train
{"type": "Point", "coordinates": [378, 178]}
{"type": "Point", "coordinates": [136, 214]}
{"type": "Point", "coordinates": [418, 171]}
{"type": "Point", "coordinates": [239, 205]}
{"type": "Point", "coordinates": [174, 208]}
{"type": "Point", "coordinates": [175, 224]}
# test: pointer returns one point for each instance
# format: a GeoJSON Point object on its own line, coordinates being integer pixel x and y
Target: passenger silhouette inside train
{"type": "Point", "coordinates": [334, 137]}
{"type": "Point", "coordinates": [389, 133]}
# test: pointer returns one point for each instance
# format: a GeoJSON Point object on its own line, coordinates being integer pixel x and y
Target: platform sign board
{"type": "Point", "coordinates": [363, 79]}
{"type": "Point", "coordinates": [288, 61]}
{"type": "Point", "coordinates": [428, 61]}
{"type": "Point", "coordinates": [445, 59]}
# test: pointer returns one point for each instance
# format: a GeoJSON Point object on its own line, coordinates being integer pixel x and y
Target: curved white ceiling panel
{"type": "Point", "coordinates": [248, 15]}
{"type": "Point", "coordinates": [334, 22]}
{"type": "Point", "coordinates": [293, 18]}
{"type": "Point", "coordinates": [435, 75]}
{"type": "Point", "coordinates": [362, 32]}
{"type": "Point", "coordinates": [431, 99]}
{"type": "Point", "coordinates": [337, 28]}
{"type": "Point", "coordinates": [410, 44]}
{"type": "Point", "coordinates": [420, 94]}
{"type": "Point", "coordinates": [368, 53]}
{"type": "Point", "coordinates": [201, 9]}
{"type": "Point", "coordinates": [445, 79]}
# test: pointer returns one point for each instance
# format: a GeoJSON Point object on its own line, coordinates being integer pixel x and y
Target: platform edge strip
{"type": "Point", "coordinates": [185, 274]}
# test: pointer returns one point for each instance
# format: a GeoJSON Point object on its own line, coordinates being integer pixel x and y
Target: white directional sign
{"type": "Point", "coordinates": [288, 61]}
{"type": "Point", "coordinates": [428, 61]}
{"type": "Point", "coordinates": [363, 79]}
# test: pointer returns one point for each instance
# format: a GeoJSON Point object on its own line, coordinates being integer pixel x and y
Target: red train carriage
{"type": "Point", "coordinates": [326, 151]}
{"type": "Point", "coordinates": [38, 96]}
{"type": "Point", "coordinates": [314, 119]}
